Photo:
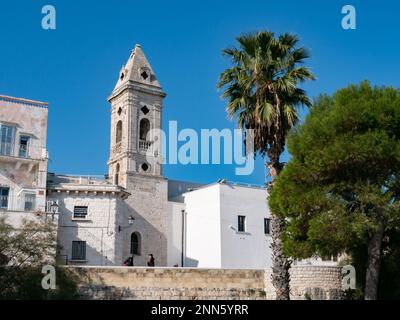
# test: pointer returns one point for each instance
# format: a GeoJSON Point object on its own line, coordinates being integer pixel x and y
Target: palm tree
{"type": "Point", "coordinates": [263, 94]}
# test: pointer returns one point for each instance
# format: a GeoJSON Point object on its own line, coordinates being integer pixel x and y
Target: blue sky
{"type": "Point", "coordinates": [75, 67]}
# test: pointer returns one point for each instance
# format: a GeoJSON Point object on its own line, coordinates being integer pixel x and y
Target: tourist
{"type": "Point", "coordinates": [150, 260]}
{"type": "Point", "coordinates": [129, 262]}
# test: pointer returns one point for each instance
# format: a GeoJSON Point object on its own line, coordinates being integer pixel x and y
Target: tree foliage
{"type": "Point", "coordinates": [24, 250]}
{"type": "Point", "coordinates": [342, 182]}
{"type": "Point", "coordinates": [262, 87]}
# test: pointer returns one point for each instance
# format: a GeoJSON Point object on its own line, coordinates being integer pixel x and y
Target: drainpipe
{"type": "Point", "coordinates": [183, 247]}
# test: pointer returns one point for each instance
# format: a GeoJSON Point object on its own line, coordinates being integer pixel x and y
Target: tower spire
{"type": "Point", "coordinates": [136, 107]}
{"type": "Point", "coordinates": [137, 72]}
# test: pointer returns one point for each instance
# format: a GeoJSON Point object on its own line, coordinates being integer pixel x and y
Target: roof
{"type": "Point", "coordinates": [176, 189]}
{"type": "Point", "coordinates": [29, 102]}
{"type": "Point", "coordinates": [75, 183]}
{"type": "Point", "coordinates": [138, 71]}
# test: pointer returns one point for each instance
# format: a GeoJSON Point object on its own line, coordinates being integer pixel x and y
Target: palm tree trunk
{"type": "Point", "coordinates": [280, 263]}
{"type": "Point", "coordinates": [374, 264]}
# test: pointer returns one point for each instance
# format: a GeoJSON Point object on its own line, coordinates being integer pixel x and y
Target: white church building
{"type": "Point", "coordinates": [133, 211]}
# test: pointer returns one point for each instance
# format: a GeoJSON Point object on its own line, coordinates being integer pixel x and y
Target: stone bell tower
{"type": "Point", "coordinates": [136, 107]}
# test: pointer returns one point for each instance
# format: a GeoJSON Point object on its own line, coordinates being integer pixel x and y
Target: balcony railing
{"type": "Point", "coordinates": [60, 179]}
{"type": "Point", "coordinates": [23, 151]}
{"type": "Point", "coordinates": [23, 203]}
{"type": "Point", "coordinates": [144, 145]}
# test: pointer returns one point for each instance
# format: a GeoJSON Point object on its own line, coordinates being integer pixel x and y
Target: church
{"type": "Point", "coordinates": [134, 210]}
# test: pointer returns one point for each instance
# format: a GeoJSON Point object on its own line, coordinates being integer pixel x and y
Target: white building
{"type": "Point", "coordinates": [90, 218]}
{"type": "Point", "coordinates": [134, 210]}
{"type": "Point", "coordinates": [221, 225]}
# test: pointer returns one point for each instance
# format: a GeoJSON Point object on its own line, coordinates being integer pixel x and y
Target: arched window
{"type": "Point", "coordinates": [135, 243]}
{"type": "Point", "coordinates": [144, 129]}
{"type": "Point", "coordinates": [117, 168]}
{"type": "Point", "coordinates": [118, 133]}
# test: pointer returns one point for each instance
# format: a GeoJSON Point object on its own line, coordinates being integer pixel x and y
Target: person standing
{"type": "Point", "coordinates": [150, 260]}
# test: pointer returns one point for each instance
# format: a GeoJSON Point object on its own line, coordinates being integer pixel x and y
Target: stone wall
{"type": "Point", "coordinates": [208, 284]}
{"type": "Point", "coordinates": [310, 282]}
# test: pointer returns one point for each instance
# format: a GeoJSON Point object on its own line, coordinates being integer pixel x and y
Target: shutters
{"type": "Point", "coordinates": [6, 140]}
{"type": "Point", "coordinates": [78, 250]}
{"type": "Point", "coordinates": [4, 192]}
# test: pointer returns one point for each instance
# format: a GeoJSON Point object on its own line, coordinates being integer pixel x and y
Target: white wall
{"type": "Point", "coordinates": [250, 249]}
{"type": "Point", "coordinates": [99, 230]}
{"type": "Point", "coordinates": [174, 233]}
{"type": "Point", "coordinates": [203, 231]}
{"type": "Point", "coordinates": [212, 239]}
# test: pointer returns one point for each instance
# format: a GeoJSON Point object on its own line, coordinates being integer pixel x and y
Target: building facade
{"type": "Point", "coordinates": [23, 156]}
{"type": "Point", "coordinates": [133, 210]}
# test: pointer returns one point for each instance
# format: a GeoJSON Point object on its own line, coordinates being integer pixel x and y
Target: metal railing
{"type": "Point", "coordinates": [144, 145]}
{"type": "Point", "coordinates": [23, 151]}
{"type": "Point", "coordinates": [23, 203]}
{"type": "Point", "coordinates": [76, 179]}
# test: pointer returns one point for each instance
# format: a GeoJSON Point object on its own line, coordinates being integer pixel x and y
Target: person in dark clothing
{"type": "Point", "coordinates": [129, 262]}
{"type": "Point", "coordinates": [150, 261]}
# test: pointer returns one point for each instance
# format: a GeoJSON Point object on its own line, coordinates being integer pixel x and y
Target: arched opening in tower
{"type": "Point", "coordinates": [116, 179]}
{"type": "Point", "coordinates": [144, 129]}
{"type": "Point", "coordinates": [118, 134]}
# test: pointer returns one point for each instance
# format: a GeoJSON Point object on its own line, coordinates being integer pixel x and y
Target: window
{"type": "Point", "coordinates": [4, 192]}
{"type": "Point", "coordinates": [135, 243]}
{"type": "Point", "coordinates": [267, 226]}
{"type": "Point", "coordinates": [6, 140]}
{"type": "Point", "coordinates": [78, 250]}
{"type": "Point", "coordinates": [23, 146]}
{"type": "Point", "coordinates": [144, 129]}
{"type": "Point", "coordinates": [80, 212]}
{"type": "Point", "coordinates": [145, 167]}
{"type": "Point", "coordinates": [118, 133]}
{"type": "Point", "coordinates": [145, 110]}
{"type": "Point", "coordinates": [117, 174]}
{"type": "Point", "coordinates": [241, 223]}
{"type": "Point", "coordinates": [144, 75]}
{"type": "Point", "coordinates": [30, 202]}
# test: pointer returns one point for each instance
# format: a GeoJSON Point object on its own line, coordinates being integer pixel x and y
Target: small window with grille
{"type": "Point", "coordinates": [80, 212]}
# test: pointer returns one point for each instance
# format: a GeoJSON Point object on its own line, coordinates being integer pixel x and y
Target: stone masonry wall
{"type": "Point", "coordinates": [204, 284]}
{"type": "Point", "coordinates": [314, 282]}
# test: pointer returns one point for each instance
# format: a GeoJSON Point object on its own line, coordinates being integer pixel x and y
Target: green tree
{"type": "Point", "coordinates": [340, 191]}
{"type": "Point", "coordinates": [262, 89]}
{"type": "Point", "coordinates": [23, 253]}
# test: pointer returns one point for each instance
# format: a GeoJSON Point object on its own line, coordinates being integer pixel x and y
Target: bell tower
{"type": "Point", "coordinates": [136, 107]}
